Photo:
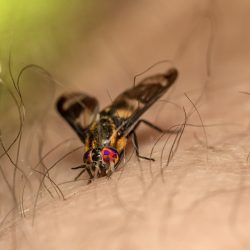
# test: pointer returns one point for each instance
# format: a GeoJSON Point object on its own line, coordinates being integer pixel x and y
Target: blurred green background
{"type": "Point", "coordinates": [49, 34]}
{"type": "Point", "coordinates": [46, 32]}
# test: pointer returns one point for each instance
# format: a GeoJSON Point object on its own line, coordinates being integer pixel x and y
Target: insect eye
{"type": "Point", "coordinates": [96, 157]}
{"type": "Point", "coordinates": [110, 155]}
{"type": "Point", "coordinates": [87, 156]}
{"type": "Point", "coordinates": [106, 152]}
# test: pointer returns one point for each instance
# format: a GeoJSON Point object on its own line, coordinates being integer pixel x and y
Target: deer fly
{"type": "Point", "coordinates": [105, 133]}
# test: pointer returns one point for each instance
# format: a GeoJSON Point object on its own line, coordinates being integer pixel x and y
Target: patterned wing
{"type": "Point", "coordinates": [132, 103]}
{"type": "Point", "coordinates": [79, 110]}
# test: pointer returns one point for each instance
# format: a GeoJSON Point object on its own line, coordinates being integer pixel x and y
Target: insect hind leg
{"type": "Point", "coordinates": [136, 146]}
{"type": "Point", "coordinates": [151, 125]}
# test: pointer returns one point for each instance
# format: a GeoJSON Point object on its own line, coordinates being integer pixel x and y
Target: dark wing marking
{"type": "Point", "coordinates": [79, 110]}
{"type": "Point", "coordinates": [139, 98]}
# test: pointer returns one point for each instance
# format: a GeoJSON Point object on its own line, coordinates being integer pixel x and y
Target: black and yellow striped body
{"type": "Point", "coordinates": [105, 133]}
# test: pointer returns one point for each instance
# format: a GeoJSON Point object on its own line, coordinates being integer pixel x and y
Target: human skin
{"type": "Point", "coordinates": [200, 200]}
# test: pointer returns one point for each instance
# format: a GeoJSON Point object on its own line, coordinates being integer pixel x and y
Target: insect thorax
{"type": "Point", "coordinates": [106, 132]}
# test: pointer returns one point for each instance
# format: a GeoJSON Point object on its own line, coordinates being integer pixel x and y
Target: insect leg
{"type": "Point", "coordinates": [90, 174]}
{"type": "Point", "coordinates": [81, 166]}
{"type": "Point", "coordinates": [151, 125]}
{"type": "Point", "coordinates": [83, 170]}
{"type": "Point", "coordinates": [135, 143]}
{"type": "Point", "coordinates": [78, 176]}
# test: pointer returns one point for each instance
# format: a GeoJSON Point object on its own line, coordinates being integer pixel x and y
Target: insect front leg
{"type": "Point", "coordinates": [91, 177]}
{"type": "Point", "coordinates": [83, 167]}
{"type": "Point", "coordinates": [97, 171]}
{"type": "Point", "coordinates": [136, 146]}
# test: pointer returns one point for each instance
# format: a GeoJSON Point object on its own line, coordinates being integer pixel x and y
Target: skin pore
{"type": "Point", "coordinates": [197, 200]}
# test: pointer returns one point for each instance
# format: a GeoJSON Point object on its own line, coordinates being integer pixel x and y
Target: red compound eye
{"type": "Point", "coordinates": [106, 152]}
{"type": "Point", "coordinates": [110, 155]}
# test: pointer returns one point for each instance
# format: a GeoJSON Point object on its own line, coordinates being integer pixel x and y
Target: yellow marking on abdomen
{"type": "Point", "coordinates": [121, 144]}
{"type": "Point", "coordinates": [123, 113]}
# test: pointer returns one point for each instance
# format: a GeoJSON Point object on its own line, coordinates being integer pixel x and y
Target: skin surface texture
{"type": "Point", "coordinates": [196, 193]}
